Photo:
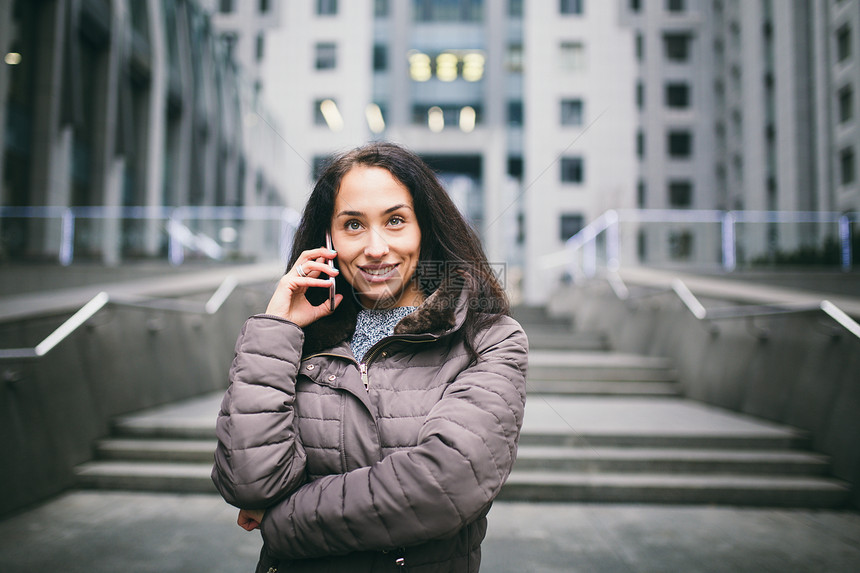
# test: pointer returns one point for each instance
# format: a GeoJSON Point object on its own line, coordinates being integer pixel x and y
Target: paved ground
{"type": "Point", "coordinates": [162, 533]}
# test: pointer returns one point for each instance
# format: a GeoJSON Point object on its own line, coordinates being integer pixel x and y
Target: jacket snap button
{"type": "Point", "coordinates": [310, 366]}
{"type": "Point", "coordinates": [384, 353]}
{"type": "Point", "coordinates": [332, 378]}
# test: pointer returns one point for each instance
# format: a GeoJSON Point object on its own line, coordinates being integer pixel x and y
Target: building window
{"type": "Point", "coordinates": [640, 144]}
{"type": "Point", "coordinates": [380, 57]}
{"type": "Point", "coordinates": [677, 95]}
{"type": "Point", "coordinates": [640, 96]}
{"type": "Point", "coordinates": [680, 194]}
{"type": "Point", "coordinates": [226, 6]}
{"type": "Point", "coordinates": [572, 170]}
{"type": "Point", "coordinates": [230, 41]}
{"type": "Point", "coordinates": [674, 5]}
{"type": "Point", "coordinates": [514, 58]}
{"type": "Point", "coordinates": [846, 166]}
{"type": "Point", "coordinates": [326, 7]}
{"type": "Point", "coordinates": [641, 245]}
{"type": "Point", "coordinates": [843, 43]}
{"type": "Point", "coordinates": [640, 47]}
{"type": "Point", "coordinates": [576, 7]}
{"type": "Point", "coordinates": [680, 244]}
{"type": "Point", "coordinates": [571, 112]}
{"type": "Point", "coordinates": [641, 194]}
{"type": "Point", "coordinates": [679, 144]}
{"type": "Point", "coordinates": [515, 113]}
{"type": "Point", "coordinates": [260, 47]}
{"type": "Point", "coordinates": [846, 104]}
{"type": "Point", "coordinates": [515, 167]}
{"type": "Point", "coordinates": [438, 118]}
{"type": "Point", "coordinates": [515, 8]}
{"type": "Point", "coordinates": [380, 8]}
{"type": "Point", "coordinates": [264, 6]}
{"type": "Point", "coordinates": [448, 10]}
{"type": "Point", "coordinates": [572, 57]}
{"type": "Point", "coordinates": [570, 224]}
{"type": "Point", "coordinates": [326, 56]}
{"type": "Point", "coordinates": [635, 6]}
{"type": "Point", "coordinates": [677, 46]}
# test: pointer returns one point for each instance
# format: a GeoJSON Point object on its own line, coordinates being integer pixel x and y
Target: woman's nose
{"type": "Point", "coordinates": [377, 246]}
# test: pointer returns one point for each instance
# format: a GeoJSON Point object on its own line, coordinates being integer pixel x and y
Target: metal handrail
{"type": "Point", "coordinates": [102, 299]}
{"type": "Point", "coordinates": [584, 243]}
{"type": "Point", "coordinates": [179, 235]}
{"type": "Point", "coordinates": [698, 310]}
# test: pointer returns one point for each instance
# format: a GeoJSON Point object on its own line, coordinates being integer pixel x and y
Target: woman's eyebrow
{"type": "Point", "coordinates": [386, 212]}
{"type": "Point", "coordinates": [396, 207]}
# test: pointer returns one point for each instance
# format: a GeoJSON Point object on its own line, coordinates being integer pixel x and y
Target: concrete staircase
{"type": "Point", "coordinates": [599, 427]}
{"type": "Point", "coordinates": [603, 426]}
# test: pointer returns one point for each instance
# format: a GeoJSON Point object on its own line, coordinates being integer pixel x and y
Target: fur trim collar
{"type": "Point", "coordinates": [442, 312]}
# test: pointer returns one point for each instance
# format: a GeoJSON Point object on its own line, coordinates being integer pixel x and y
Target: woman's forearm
{"type": "Point", "coordinates": [259, 458]}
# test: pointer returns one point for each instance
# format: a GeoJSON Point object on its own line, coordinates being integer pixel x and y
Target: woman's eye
{"type": "Point", "coordinates": [353, 225]}
{"type": "Point", "coordinates": [397, 220]}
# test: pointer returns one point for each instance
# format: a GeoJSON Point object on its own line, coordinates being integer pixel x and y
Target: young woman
{"type": "Point", "coordinates": [375, 436]}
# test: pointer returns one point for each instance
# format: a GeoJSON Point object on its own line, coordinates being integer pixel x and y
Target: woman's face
{"type": "Point", "coordinates": [376, 235]}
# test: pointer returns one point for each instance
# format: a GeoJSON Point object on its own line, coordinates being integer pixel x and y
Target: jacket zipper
{"type": "Point", "coordinates": [363, 368]}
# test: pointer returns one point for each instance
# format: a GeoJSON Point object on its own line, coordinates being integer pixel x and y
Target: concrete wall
{"type": "Point", "coordinates": [124, 359]}
{"type": "Point", "coordinates": [801, 374]}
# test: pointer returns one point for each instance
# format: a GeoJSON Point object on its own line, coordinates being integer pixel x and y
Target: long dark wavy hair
{"type": "Point", "coordinates": [448, 244]}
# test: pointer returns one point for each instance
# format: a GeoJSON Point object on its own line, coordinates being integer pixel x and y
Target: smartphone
{"type": "Point", "coordinates": [331, 286]}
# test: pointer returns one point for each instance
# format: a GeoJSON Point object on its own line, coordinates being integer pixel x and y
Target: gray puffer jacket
{"type": "Point", "coordinates": [367, 467]}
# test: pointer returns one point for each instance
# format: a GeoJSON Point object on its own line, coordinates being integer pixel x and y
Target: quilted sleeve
{"type": "Point", "coordinates": [259, 458]}
{"type": "Point", "coordinates": [466, 448]}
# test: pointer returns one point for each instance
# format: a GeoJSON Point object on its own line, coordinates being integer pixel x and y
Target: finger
{"type": "Point", "coordinates": [312, 282]}
{"type": "Point", "coordinates": [320, 252]}
{"type": "Point", "coordinates": [325, 309]}
{"type": "Point", "coordinates": [319, 267]}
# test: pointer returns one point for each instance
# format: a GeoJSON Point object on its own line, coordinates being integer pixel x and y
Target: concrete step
{"type": "Point", "coordinates": [591, 366]}
{"type": "Point", "coordinates": [649, 422]}
{"type": "Point", "coordinates": [168, 450]}
{"type": "Point", "coordinates": [774, 491]}
{"type": "Point", "coordinates": [167, 424]}
{"type": "Point", "coordinates": [603, 388]}
{"type": "Point", "coordinates": [537, 316]}
{"type": "Point", "coordinates": [572, 448]}
{"type": "Point", "coordinates": [543, 339]}
{"type": "Point", "coordinates": [146, 476]}
{"type": "Point", "coordinates": [670, 460]}
{"type": "Point", "coordinates": [561, 438]}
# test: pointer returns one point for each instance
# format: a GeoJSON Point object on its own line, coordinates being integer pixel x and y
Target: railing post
{"type": "Point", "coordinates": [845, 239]}
{"type": "Point", "coordinates": [67, 238]}
{"type": "Point", "coordinates": [729, 246]}
{"type": "Point", "coordinates": [175, 250]}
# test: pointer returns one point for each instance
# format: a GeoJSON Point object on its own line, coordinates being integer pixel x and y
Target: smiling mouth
{"type": "Point", "coordinates": [379, 272]}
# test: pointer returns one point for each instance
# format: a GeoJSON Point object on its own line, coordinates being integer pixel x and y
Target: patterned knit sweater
{"type": "Point", "coordinates": [373, 325]}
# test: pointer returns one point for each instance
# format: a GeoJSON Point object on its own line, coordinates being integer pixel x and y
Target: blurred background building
{"type": "Point", "coordinates": [542, 115]}
{"type": "Point", "coordinates": [539, 117]}
{"type": "Point", "coordinates": [121, 109]}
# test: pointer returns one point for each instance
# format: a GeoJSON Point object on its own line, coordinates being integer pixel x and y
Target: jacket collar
{"type": "Point", "coordinates": [443, 312]}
